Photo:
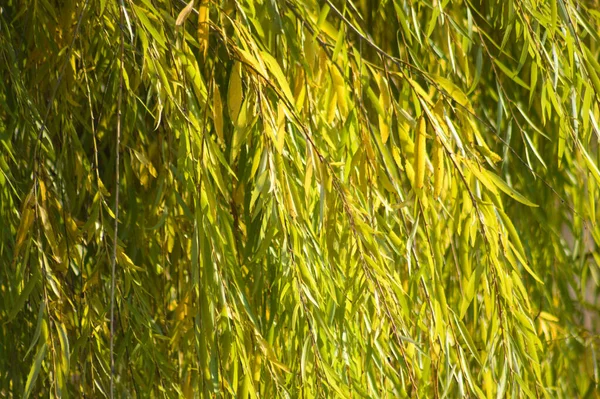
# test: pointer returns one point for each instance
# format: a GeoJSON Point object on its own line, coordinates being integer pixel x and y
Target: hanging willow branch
{"type": "Point", "coordinates": [117, 184]}
{"type": "Point", "coordinates": [310, 198]}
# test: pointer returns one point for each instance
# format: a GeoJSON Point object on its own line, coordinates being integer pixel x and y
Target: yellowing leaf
{"type": "Point", "coordinates": [218, 112]}
{"type": "Point", "coordinates": [453, 91]}
{"type": "Point", "coordinates": [184, 13]}
{"type": "Point", "coordinates": [467, 338]}
{"type": "Point", "coordinates": [276, 71]}
{"type": "Point", "coordinates": [234, 93]}
{"type": "Point", "coordinates": [384, 102]}
{"type": "Point", "coordinates": [64, 344]}
{"type": "Point", "coordinates": [511, 74]}
{"type": "Point", "coordinates": [491, 181]}
{"type": "Point", "coordinates": [524, 263]}
{"type": "Point", "coordinates": [590, 163]}
{"type": "Point", "coordinates": [27, 217]}
{"type": "Point", "coordinates": [253, 62]}
{"type": "Point", "coordinates": [501, 184]}
{"type": "Point", "coordinates": [158, 36]}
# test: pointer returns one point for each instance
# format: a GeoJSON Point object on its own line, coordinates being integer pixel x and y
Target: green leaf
{"type": "Point", "coordinates": [466, 337]}
{"type": "Point", "coordinates": [35, 370]}
{"type": "Point", "coordinates": [511, 74]}
{"type": "Point", "coordinates": [23, 296]}
{"type": "Point", "coordinates": [38, 327]}
{"type": "Point", "coordinates": [141, 14]}
{"type": "Point", "coordinates": [492, 181]}
{"type": "Point", "coordinates": [593, 168]}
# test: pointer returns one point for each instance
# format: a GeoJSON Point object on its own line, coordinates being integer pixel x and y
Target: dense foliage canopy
{"type": "Point", "coordinates": [312, 198]}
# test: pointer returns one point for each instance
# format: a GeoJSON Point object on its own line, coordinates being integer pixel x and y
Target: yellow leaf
{"type": "Point", "coordinates": [438, 167]}
{"type": "Point", "coordinates": [203, 26]}
{"type": "Point", "coordinates": [548, 316]}
{"type": "Point", "coordinates": [384, 94]}
{"type": "Point", "coordinates": [340, 89]}
{"type": "Point", "coordinates": [419, 91]}
{"type": "Point", "coordinates": [420, 153]}
{"type": "Point", "coordinates": [331, 107]}
{"type": "Point", "coordinates": [384, 130]}
{"type": "Point", "coordinates": [124, 260]}
{"type": "Point", "coordinates": [485, 151]}
{"type": "Point", "coordinates": [280, 127]}
{"type": "Point", "coordinates": [397, 158]}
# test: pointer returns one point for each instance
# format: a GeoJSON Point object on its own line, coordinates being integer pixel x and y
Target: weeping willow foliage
{"type": "Point", "coordinates": [314, 198]}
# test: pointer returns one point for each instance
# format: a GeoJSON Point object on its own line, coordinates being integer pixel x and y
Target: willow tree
{"type": "Point", "coordinates": [299, 198]}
